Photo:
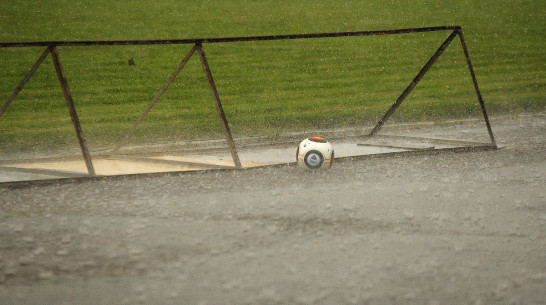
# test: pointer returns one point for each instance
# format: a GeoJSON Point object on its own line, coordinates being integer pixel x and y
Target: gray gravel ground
{"type": "Point", "coordinates": [465, 228]}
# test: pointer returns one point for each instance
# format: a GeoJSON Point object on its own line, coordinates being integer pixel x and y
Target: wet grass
{"type": "Point", "coordinates": [266, 87]}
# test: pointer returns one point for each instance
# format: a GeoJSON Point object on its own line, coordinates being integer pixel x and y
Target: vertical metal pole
{"type": "Point", "coordinates": [478, 93]}
{"type": "Point", "coordinates": [218, 105]}
{"type": "Point", "coordinates": [72, 110]}
{"type": "Point", "coordinates": [24, 81]}
{"type": "Point", "coordinates": [154, 101]}
{"type": "Point", "coordinates": [413, 83]}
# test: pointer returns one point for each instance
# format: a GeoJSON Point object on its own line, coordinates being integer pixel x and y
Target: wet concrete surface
{"type": "Point", "coordinates": [450, 228]}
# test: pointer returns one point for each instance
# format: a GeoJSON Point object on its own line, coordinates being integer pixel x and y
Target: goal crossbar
{"type": "Point", "coordinates": [51, 48]}
{"type": "Point", "coordinates": [225, 39]}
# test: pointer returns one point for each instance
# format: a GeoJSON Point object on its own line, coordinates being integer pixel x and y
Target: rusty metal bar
{"type": "Point", "coordinates": [72, 110]}
{"type": "Point", "coordinates": [414, 82]}
{"type": "Point", "coordinates": [475, 81]}
{"type": "Point", "coordinates": [227, 39]}
{"type": "Point", "coordinates": [24, 81]}
{"type": "Point", "coordinates": [218, 105]}
{"type": "Point", "coordinates": [156, 98]}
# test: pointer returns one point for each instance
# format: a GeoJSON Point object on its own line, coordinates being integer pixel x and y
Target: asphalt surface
{"type": "Point", "coordinates": [449, 228]}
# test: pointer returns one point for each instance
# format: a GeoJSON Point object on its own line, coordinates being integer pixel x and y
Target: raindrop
{"type": "Point", "coordinates": [62, 252]}
{"type": "Point", "coordinates": [139, 290]}
{"type": "Point", "coordinates": [45, 275]}
{"type": "Point", "coordinates": [26, 259]}
{"type": "Point", "coordinates": [408, 215]}
{"type": "Point", "coordinates": [18, 227]}
{"type": "Point", "coordinates": [10, 269]}
{"type": "Point", "coordinates": [39, 250]}
{"type": "Point", "coordinates": [66, 239]}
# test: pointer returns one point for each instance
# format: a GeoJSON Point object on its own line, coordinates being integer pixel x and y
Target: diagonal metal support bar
{"type": "Point", "coordinates": [154, 101]}
{"type": "Point", "coordinates": [218, 105]}
{"type": "Point", "coordinates": [478, 93]}
{"type": "Point", "coordinates": [24, 81]}
{"type": "Point", "coordinates": [72, 110]}
{"type": "Point", "coordinates": [413, 83]}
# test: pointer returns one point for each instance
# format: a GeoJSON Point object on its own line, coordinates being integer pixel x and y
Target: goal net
{"type": "Point", "coordinates": [151, 106]}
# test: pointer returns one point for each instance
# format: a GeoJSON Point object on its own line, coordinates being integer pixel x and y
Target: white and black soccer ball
{"type": "Point", "coordinates": [314, 153]}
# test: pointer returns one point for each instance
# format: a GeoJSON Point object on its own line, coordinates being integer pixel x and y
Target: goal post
{"type": "Point", "coordinates": [198, 46]}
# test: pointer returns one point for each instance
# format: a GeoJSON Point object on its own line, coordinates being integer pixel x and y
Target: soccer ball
{"type": "Point", "coordinates": [314, 153]}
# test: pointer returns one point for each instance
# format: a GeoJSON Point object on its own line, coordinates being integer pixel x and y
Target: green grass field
{"type": "Point", "coordinates": [266, 87]}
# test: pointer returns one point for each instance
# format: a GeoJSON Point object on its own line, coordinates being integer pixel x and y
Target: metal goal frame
{"type": "Point", "coordinates": [51, 47]}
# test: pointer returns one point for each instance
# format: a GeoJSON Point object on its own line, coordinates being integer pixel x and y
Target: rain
{"type": "Point", "coordinates": [438, 202]}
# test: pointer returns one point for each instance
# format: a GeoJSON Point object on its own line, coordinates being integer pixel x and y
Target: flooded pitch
{"type": "Point", "coordinates": [449, 228]}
